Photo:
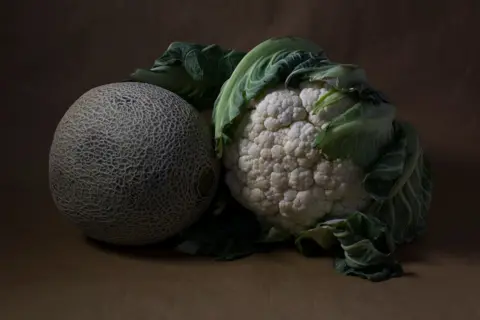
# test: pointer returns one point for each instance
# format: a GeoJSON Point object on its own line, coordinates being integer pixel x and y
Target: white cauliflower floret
{"type": "Point", "coordinates": [274, 170]}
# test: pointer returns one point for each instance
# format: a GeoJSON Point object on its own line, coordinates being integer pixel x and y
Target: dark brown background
{"type": "Point", "coordinates": [423, 54]}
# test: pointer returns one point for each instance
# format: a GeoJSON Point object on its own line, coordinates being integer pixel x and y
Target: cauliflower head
{"type": "Point", "coordinates": [274, 169]}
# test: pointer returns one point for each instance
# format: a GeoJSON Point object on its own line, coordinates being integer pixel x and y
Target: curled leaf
{"type": "Point", "coordinates": [366, 247]}
{"type": "Point", "coordinates": [193, 71]}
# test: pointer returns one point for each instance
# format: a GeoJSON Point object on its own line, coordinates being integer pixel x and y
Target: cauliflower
{"type": "Point", "coordinates": [307, 141]}
{"type": "Point", "coordinates": [309, 147]}
{"type": "Point", "coordinates": [274, 169]}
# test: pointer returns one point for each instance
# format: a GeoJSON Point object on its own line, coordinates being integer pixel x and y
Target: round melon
{"type": "Point", "coordinates": [132, 164]}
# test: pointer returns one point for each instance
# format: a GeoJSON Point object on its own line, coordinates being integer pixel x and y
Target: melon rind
{"type": "Point", "coordinates": [132, 164]}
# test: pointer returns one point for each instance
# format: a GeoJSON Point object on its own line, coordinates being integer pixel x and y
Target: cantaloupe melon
{"type": "Point", "coordinates": [132, 164]}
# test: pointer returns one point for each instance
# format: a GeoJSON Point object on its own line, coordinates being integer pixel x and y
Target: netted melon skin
{"type": "Point", "coordinates": [132, 164]}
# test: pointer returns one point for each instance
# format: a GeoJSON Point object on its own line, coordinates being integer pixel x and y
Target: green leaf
{"type": "Point", "coordinates": [332, 97]}
{"type": "Point", "coordinates": [359, 133]}
{"type": "Point", "coordinates": [366, 246]}
{"type": "Point", "coordinates": [374, 273]}
{"type": "Point", "coordinates": [321, 236]}
{"type": "Point", "coordinates": [381, 179]}
{"type": "Point", "coordinates": [195, 72]}
{"type": "Point", "coordinates": [401, 184]}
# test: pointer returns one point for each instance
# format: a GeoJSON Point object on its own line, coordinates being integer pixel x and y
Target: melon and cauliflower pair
{"type": "Point", "coordinates": [309, 149]}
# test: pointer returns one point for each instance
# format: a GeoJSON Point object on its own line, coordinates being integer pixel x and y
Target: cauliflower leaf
{"type": "Point", "coordinates": [195, 72]}
{"type": "Point", "coordinates": [366, 246]}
